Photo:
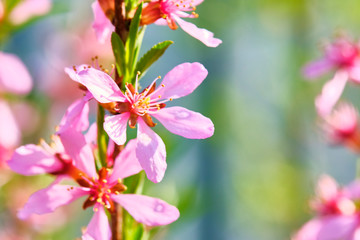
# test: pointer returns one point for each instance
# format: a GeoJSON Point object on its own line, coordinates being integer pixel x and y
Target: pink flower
{"type": "Point", "coordinates": [337, 213]}
{"type": "Point", "coordinates": [28, 9]}
{"type": "Point", "coordinates": [34, 159]}
{"type": "Point", "coordinates": [102, 25]}
{"type": "Point", "coordinates": [342, 126]}
{"type": "Point", "coordinates": [343, 56]}
{"type": "Point", "coordinates": [138, 109]}
{"type": "Point", "coordinates": [103, 190]}
{"type": "Point", "coordinates": [170, 12]}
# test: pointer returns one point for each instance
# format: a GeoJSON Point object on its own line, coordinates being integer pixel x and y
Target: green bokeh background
{"type": "Point", "coordinates": [252, 180]}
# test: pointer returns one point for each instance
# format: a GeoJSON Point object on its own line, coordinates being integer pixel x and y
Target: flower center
{"type": "Point", "coordinates": [101, 190]}
{"type": "Point", "coordinates": [343, 53]}
{"type": "Point", "coordinates": [147, 101]}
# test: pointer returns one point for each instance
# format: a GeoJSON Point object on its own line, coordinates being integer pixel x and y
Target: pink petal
{"type": "Point", "coordinates": [115, 126]}
{"type": "Point", "coordinates": [14, 76]}
{"type": "Point", "coordinates": [73, 73]}
{"type": "Point", "coordinates": [147, 210]}
{"type": "Point", "coordinates": [76, 117]}
{"type": "Point", "coordinates": [48, 199]}
{"type": "Point", "coordinates": [338, 227]}
{"type": "Point", "coordinates": [161, 22]}
{"type": "Point", "coordinates": [201, 34]}
{"type": "Point", "coordinates": [317, 68]}
{"type": "Point", "coordinates": [126, 164]}
{"type": "Point", "coordinates": [327, 189]}
{"type": "Point", "coordinates": [151, 152]}
{"type": "Point", "coordinates": [91, 135]}
{"type": "Point", "coordinates": [32, 160]}
{"type": "Point", "coordinates": [29, 8]}
{"type": "Point", "coordinates": [352, 191]}
{"type": "Point", "coordinates": [196, 2]}
{"type": "Point", "coordinates": [101, 85]}
{"type": "Point", "coordinates": [331, 93]}
{"type": "Point", "coordinates": [9, 131]}
{"type": "Point", "coordinates": [78, 149]}
{"type": "Point", "coordinates": [184, 122]}
{"type": "Point", "coordinates": [354, 73]}
{"type": "Point", "coordinates": [309, 231]}
{"type": "Point", "coordinates": [182, 80]}
{"type": "Point", "coordinates": [102, 25]}
{"type": "Point", "coordinates": [99, 227]}
{"type": "Point", "coordinates": [356, 235]}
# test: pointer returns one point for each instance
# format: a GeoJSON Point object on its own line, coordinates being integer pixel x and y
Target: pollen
{"type": "Point", "coordinates": [170, 99]}
{"type": "Point", "coordinates": [163, 85]}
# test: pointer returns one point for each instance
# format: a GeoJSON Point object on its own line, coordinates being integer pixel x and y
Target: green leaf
{"type": "Point", "coordinates": [119, 53]}
{"type": "Point", "coordinates": [152, 56]}
{"type": "Point", "coordinates": [133, 35]}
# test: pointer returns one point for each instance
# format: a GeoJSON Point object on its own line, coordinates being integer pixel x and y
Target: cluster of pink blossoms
{"type": "Point", "coordinates": [337, 209]}
{"type": "Point", "coordinates": [338, 213]}
{"type": "Point", "coordinates": [343, 56]}
{"type": "Point", "coordinates": [73, 155]}
{"type": "Point", "coordinates": [11, 68]}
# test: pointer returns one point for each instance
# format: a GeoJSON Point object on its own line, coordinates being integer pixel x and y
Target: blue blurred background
{"type": "Point", "coordinates": [253, 178]}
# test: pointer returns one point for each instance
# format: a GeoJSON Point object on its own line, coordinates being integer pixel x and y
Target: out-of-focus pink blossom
{"type": "Point", "coordinates": [342, 56]}
{"type": "Point", "coordinates": [102, 25]}
{"type": "Point", "coordinates": [33, 159]}
{"type": "Point", "coordinates": [138, 109]}
{"type": "Point", "coordinates": [28, 9]}
{"type": "Point", "coordinates": [14, 77]}
{"type": "Point", "coordinates": [103, 191]}
{"type": "Point", "coordinates": [342, 126]}
{"type": "Point", "coordinates": [171, 12]}
{"type": "Point", "coordinates": [337, 213]}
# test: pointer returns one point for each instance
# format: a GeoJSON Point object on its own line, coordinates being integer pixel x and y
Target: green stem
{"type": "Point", "coordinates": [101, 136]}
{"type": "Point", "coordinates": [146, 234]}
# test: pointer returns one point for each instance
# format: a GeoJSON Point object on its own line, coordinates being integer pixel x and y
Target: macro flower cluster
{"type": "Point", "coordinates": [336, 208]}
{"type": "Point", "coordinates": [93, 161]}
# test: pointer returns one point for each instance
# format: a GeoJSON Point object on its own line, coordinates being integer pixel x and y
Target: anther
{"type": "Point", "coordinates": [163, 85]}
{"type": "Point", "coordinates": [170, 99]}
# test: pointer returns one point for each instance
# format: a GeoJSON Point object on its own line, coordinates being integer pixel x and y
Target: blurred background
{"type": "Point", "coordinates": [252, 180]}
